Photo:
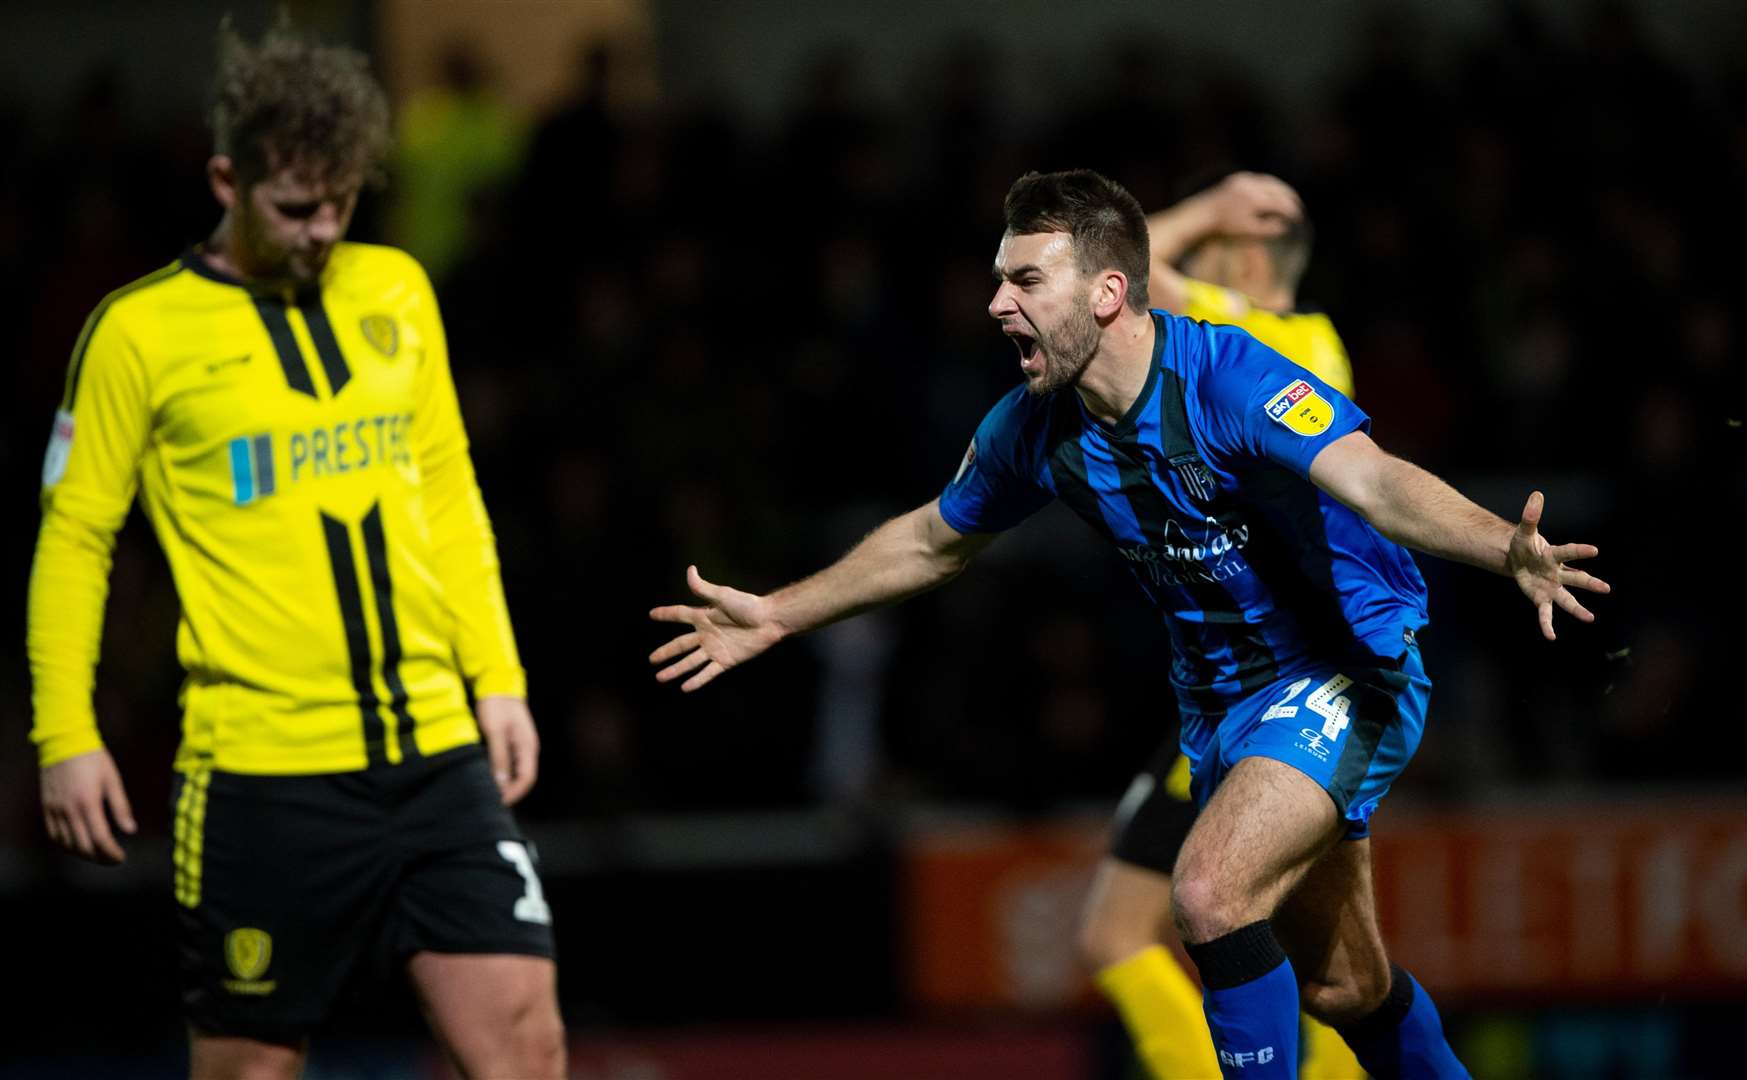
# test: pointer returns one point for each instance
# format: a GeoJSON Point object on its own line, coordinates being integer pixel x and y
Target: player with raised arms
{"type": "Point", "coordinates": [1267, 528]}
{"type": "Point", "coordinates": [1232, 254]}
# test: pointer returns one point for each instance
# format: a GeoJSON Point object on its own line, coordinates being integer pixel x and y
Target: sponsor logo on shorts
{"type": "Point", "coordinates": [1301, 409]}
{"type": "Point", "coordinates": [1311, 741]}
{"type": "Point", "coordinates": [247, 952]}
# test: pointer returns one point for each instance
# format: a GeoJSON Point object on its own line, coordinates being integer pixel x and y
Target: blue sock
{"type": "Point", "coordinates": [1404, 1036]}
{"type": "Point", "coordinates": [1250, 995]}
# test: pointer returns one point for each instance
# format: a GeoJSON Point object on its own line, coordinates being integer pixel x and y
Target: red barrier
{"type": "Point", "coordinates": [1621, 901]}
{"type": "Point", "coordinates": [1627, 900]}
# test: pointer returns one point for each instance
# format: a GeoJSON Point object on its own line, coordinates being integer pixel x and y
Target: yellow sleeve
{"type": "Point", "coordinates": [462, 542]}
{"type": "Point", "coordinates": [1324, 354]}
{"type": "Point", "coordinates": [90, 475]}
{"type": "Point", "coordinates": [1213, 303]}
{"type": "Point", "coordinates": [1309, 341]}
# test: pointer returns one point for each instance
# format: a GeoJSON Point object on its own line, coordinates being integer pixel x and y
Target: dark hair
{"type": "Point", "coordinates": [1107, 224]}
{"type": "Point", "coordinates": [291, 101]}
{"type": "Point", "coordinates": [1290, 250]}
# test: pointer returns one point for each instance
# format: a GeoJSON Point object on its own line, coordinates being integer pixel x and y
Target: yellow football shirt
{"type": "Point", "coordinates": [302, 460]}
{"type": "Point", "coordinates": [1308, 339]}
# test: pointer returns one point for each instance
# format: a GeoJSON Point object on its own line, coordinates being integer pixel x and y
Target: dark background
{"type": "Point", "coordinates": [740, 320]}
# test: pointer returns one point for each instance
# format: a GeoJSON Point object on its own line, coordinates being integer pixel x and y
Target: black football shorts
{"type": "Point", "coordinates": [288, 886]}
{"type": "Point", "coordinates": [1154, 817]}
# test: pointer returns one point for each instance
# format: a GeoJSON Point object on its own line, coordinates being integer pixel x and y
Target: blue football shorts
{"type": "Point", "coordinates": [1352, 728]}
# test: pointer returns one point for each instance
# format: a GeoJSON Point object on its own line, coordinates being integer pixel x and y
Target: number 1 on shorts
{"type": "Point", "coordinates": [531, 905]}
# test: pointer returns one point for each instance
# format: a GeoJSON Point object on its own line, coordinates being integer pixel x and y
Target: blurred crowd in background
{"type": "Point", "coordinates": [681, 337]}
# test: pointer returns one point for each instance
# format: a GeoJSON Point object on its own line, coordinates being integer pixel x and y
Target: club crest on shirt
{"type": "Point", "coordinates": [1195, 476]}
{"type": "Point", "coordinates": [970, 458]}
{"type": "Point", "coordinates": [1301, 409]}
{"type": "Point", "coordinates": [382, 333]}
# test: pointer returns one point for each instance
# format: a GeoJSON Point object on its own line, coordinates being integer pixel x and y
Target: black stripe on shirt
{"type": "Point", "coordinates": [327, 347]}
{"type": "Point", "coordinates": [1074, 488]}
{"type": "Point", "coordinates": [1068, 463]}
{"type": "Point", "coordinates": [357, 638]}
{"type": "Point", "coordinates": [376, 550]}
{"type": "Point", "coordinates": [272, 311]}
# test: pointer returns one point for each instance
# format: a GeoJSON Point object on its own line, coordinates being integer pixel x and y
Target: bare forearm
{"type": "Point", "coordinates": [909, 554]}
{"type": "Point", "coordinates": [1416, 509]}
{"type": "Point", "coordinates": [1171, 233]}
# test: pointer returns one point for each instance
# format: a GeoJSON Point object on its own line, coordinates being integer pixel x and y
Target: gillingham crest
{"type": "Point", "coordinates": [1301, 409]}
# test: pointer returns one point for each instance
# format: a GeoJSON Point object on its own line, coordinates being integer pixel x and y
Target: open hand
{"type": "Point", "coordinates": [1540, 571]}
{"type": "Point", "coordinates": [79, 797]}
{"type": "Point", "coordinates": [732, 629]}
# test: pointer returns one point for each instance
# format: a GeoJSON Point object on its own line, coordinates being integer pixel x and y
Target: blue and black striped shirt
{"type": "Point", "coordinates": [1204, 488]}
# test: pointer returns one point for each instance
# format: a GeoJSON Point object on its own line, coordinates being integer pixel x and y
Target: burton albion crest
{"type": "Point", "coordinates": [382, 333]}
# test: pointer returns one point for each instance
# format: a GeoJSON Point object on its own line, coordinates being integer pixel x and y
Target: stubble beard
{"type": "Point", "coordinates": [276, 265]}
{"type": "Point", "coordinates": [1067, 351]}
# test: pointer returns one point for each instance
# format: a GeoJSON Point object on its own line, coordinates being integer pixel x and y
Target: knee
{"type": "Point", "coordinates": [537, 1037]}
{"type": "Point", "coordinates": [1204, 911]}
{"type": "Point", "coordinates": [213, 1058]}
{"type": "Point", "coordinates": [1354, 995]}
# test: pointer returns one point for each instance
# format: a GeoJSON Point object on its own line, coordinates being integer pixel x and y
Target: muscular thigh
{"type": "Point", "coordinates": [1258, 835]}
{"type": "Point", "coordinates": [1328, 925]}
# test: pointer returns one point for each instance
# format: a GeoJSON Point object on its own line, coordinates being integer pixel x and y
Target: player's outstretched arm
{"type": "Point", "coordinates": [79, 797]}
{"type": "Point", "coordinates": [909, 554]}
{"type": "Point", "coordinates": [1243, 204]}
{"type": "Point", "coordinates": [1416, 509]}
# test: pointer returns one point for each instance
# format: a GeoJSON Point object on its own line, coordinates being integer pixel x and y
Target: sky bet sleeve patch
{"type": "Point", "coordinates": [1301, 409]}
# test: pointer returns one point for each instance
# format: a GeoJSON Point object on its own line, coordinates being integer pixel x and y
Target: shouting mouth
{"type": "Point", "coordinates": [1030, 359]}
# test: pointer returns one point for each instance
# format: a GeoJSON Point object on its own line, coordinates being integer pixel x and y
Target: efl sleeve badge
{"type": "Point", "coordinates": [1301, 409]}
